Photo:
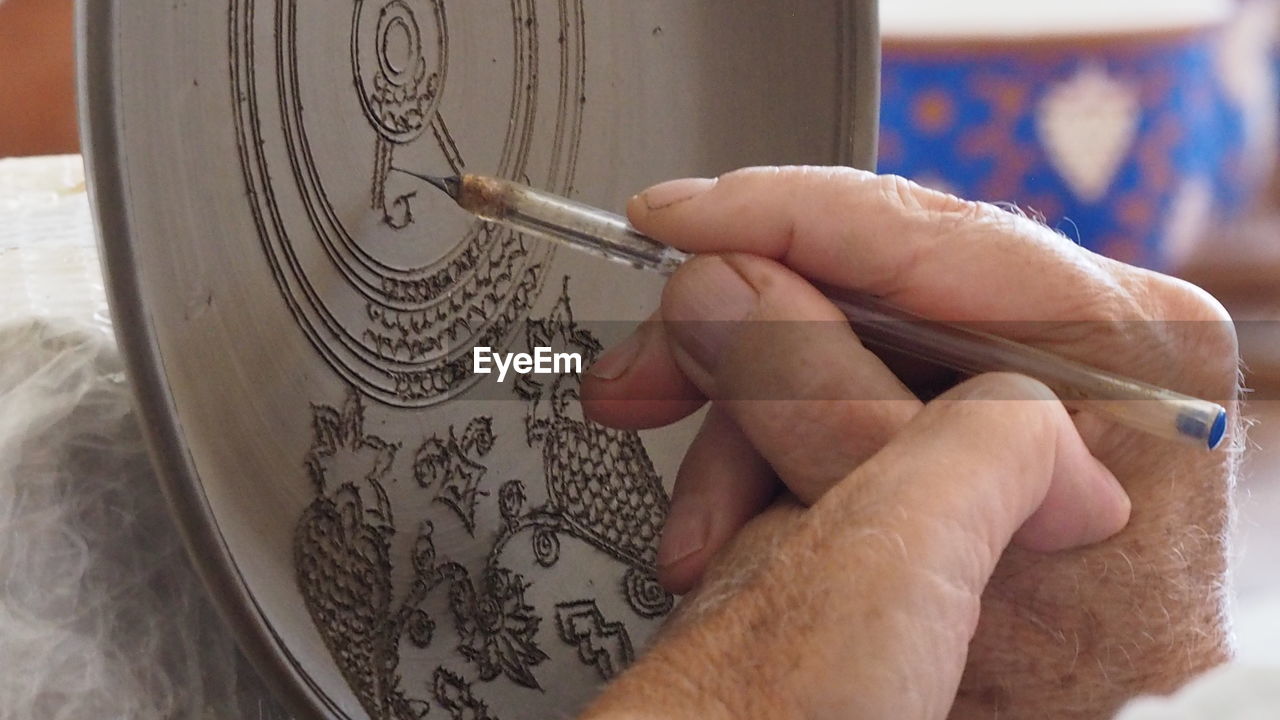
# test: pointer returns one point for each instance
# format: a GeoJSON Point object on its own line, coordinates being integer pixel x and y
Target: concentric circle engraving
{"type": "Point", "coordinates": [400, 65]}
{"type": "Point", "coordinates": [391, 283]}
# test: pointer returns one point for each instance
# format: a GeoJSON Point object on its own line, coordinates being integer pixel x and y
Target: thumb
{"type": "Point", "coordinates": [1000, 454]}
{"type": "Point", "coordinates": [912, 537]}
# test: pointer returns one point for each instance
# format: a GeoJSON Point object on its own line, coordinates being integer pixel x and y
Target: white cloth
{"type": "Point", "coordinates": [1232, 692]}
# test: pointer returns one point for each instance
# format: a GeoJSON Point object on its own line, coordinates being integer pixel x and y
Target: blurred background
{"type": "Point", "coordinates": [37, 78]}
{"type": "Point", "coordinates": [1146, 130]}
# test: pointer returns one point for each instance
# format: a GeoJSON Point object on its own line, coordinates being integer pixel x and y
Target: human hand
{"type": "Point", "coordinates": [1073, 632]}
{"type": "Point", "coordinates": [863, 605]}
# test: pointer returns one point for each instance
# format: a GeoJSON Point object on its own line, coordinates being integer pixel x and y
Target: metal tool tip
{"type": "Point", "coordinates": [451, 186]}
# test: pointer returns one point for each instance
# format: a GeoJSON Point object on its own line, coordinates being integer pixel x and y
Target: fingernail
{"type": "Point", "coordinates": [702, 307]}
{"type": "Point", "coordinates": [684, 534]}
{"type": "Point", "coordinates": [674, 192]}
{"type": "Point", "coordinates": [615, 363]}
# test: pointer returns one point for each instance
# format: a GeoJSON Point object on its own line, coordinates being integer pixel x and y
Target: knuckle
{"type": "Point", "coordinates": [1179, 319]}
{"type": "Point", "coordinates": [1013, 404]}
{"type": "Point", "coordinates": [1003, 386]}
{"type": "Point", "coordinates": [1156, 296]}
{"type": "Point", "coordinates": [1180, 300]}
{"type": "Point", "coordinates": [1009, 221]}
{"type": "Point", "coordinates": [934, 220]}
{"type": "Point", "coordinates": [1198, 325]}
{"type": "Point", "coordinates": [898, 192]}
{"type": "Point", "coordinates": [903, 194]}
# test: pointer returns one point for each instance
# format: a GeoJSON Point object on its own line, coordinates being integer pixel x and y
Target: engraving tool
{"type": "Point", "coordinates": [1155, 410]}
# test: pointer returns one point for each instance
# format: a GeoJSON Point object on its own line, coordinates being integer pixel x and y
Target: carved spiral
{"type": "Point", "coordinates": [645, 594]}
{"type": "Point", "coordinates": [511, 501]}
{"type": "Point", "coordinates": [546, 546]}
{"type": "Point", "coordinates": [400, 65]}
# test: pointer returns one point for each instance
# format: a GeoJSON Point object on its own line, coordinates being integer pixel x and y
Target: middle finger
{"type": "Point", "coordinates": [783, 363]}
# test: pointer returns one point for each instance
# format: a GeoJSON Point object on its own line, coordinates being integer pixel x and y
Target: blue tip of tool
{"type": "Point", "coordinates": [1218, 431]}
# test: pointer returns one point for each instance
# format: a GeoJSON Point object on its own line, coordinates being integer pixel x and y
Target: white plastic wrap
{"type": "Point", "coordinates": [101, 613]}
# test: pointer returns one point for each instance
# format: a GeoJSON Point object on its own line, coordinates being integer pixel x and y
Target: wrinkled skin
{"type": "Point", "coordinates": [969, 557]}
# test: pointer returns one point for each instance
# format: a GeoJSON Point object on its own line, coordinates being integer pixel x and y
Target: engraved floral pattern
{"type": "Point", "coordinates": [391, 322]}
{"type": "Point", "coordinates": [597, 488]}
{"type": "Point", "coordinates": [454, 465]}
{"type": "Point", "coordinates": [497, 626]}
{"type": "Point", "coordinates": [342, 554]}
{"type": "Point", "coordinates": [601, 485]}
{"type": "Point", "coordinates": [454, 695]}
{"type": "Point", "coordinates": [341, 449]}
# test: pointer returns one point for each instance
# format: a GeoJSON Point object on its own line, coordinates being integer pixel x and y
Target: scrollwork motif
{"type": "Point", "coordinates": [600, 489]}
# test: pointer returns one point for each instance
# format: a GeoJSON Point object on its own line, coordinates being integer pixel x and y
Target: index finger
{"type": "Point", "coordinates": [931, 253]}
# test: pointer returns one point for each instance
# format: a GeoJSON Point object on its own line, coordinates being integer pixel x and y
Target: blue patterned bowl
{"type": "Point", "coordinates": [1132, 133]}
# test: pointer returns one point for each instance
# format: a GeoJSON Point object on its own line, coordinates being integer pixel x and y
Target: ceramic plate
{"type": "Point", "coordinates": [389, 535]}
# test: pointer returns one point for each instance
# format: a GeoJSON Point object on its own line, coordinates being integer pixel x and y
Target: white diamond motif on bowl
{"type": "Point", "coordinates": [1088, 125]}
